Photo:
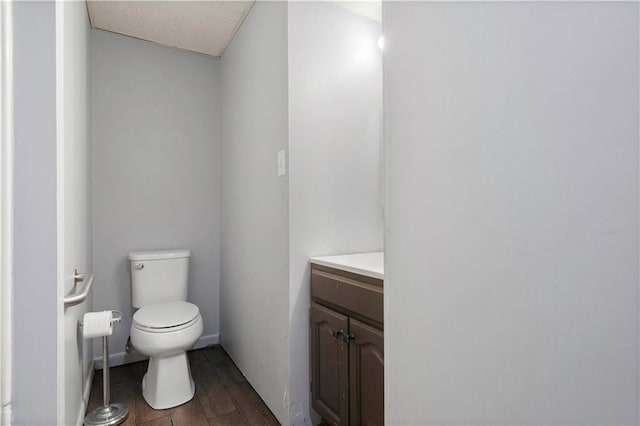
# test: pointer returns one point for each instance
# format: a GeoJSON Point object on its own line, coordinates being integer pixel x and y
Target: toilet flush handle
{"type": "Point", "coordinates": [140, 266]}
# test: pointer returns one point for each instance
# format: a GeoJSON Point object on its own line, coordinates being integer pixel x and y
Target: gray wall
{"type": "Point", "coordinates": [156, 169]}
{"type": "Point", "coordinates": [74, 202]}
{"type": "Point", "coordinates": [511, 282]}
{"type": "Point", "coordinates": [254, 281]}
{"type": "Point", "coordinates": [35, 289]}
{"type": "Point", "coordinates": [335, 129]}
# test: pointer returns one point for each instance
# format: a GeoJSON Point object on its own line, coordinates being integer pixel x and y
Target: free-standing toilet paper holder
{"type": "Point", "coordinates": [110, 413]}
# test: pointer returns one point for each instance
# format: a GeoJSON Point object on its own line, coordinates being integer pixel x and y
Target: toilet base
{"type": "Point", "coordinates": [168, 381]}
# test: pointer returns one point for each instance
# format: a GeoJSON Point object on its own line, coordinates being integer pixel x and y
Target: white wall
{"type": "Point", "coordinates": [254, 254]}
{"type": "Point", "coordinates": [511, 281]}
{"type": "Point", "coordinates": [35, 307]}
{"type": "Point", "coordinates": [52, 232]}
{"type": "Point", "coordinates": [156, 170]}
{"type": "Point", "coordinates": [335, 131]}
{"type": "Point", "coordinates": [74, 200]}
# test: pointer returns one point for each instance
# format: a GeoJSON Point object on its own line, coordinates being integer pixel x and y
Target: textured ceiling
{"type": "Point", "coordinates": [200, 26]}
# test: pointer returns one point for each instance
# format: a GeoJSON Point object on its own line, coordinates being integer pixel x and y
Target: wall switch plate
{"type": "Point", "coordinates": [282, 165]}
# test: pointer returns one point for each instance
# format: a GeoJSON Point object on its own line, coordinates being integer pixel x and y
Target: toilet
{"type": "Point", "coordinates": [165, 324]}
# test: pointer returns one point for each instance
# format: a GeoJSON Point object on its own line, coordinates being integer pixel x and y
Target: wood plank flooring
{"type": "Point", "coordinates": [223, 395]}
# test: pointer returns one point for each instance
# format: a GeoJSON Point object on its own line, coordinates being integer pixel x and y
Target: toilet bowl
{"type": "Point", "coordinates": [164, 332]}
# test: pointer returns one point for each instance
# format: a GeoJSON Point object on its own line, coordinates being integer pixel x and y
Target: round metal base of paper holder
{"type": "Point", "coordinates": [112, 415]}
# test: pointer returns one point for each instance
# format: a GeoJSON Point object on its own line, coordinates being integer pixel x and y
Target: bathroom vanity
{"type": "Point", "coordinates": [347, 339]}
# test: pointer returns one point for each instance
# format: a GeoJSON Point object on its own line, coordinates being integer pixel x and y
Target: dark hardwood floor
{"type": "Point", "coordinates": [223, 395]}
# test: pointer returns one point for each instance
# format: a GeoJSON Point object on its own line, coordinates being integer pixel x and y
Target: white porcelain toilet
{"type": "Point", "coordinates": [165, 325]}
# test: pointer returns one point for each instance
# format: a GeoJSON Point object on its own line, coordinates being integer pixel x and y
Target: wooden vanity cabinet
{"type": "Point", "coordinates": [366, 375]}
{"type": "Point", "coordinates": [330, 369]}
{"type": "Point", "coordinates": [347, 347]}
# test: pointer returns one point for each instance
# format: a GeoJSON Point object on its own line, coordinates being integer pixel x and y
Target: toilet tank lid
{"type": "Point", "coordinates": [159, 254]}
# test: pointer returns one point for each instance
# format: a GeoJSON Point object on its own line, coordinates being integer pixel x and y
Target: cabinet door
{"type": "Point", "coordinates": [366, 365]}
{"type": "Point", "coordinates": [329, 364]}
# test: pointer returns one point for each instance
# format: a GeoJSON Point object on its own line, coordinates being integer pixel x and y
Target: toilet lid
{"type": "Point", "coordinates": [164, 315]}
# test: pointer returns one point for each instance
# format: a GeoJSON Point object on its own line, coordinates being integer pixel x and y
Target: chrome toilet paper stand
{"type": "Point", "coordinates": [110, 413]}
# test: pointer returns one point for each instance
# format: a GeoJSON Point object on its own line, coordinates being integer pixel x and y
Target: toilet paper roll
{"type": "Point", "coordinates": [97, 324]}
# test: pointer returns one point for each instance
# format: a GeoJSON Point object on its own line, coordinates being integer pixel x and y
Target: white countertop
{"type": "Point", "coordinates": [367, 264]}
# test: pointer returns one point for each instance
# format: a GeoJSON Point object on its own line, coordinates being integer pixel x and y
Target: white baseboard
{"type": "Point", "coordinates": [86, 392]}
{"type": "Point", "coordinates": [209, 339]}
{"type": "Point", "coordinates": [122, 358]}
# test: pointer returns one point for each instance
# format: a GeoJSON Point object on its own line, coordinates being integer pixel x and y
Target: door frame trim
{"type": "Point", "coordinates": [6, 212]}
{"type": "Point", "coordinates": [60, 211]}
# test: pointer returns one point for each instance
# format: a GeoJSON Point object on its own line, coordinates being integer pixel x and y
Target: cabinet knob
{"type": "Point", "coordinates": [337, 334]}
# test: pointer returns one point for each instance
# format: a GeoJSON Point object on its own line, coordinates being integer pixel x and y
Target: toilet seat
{"type": "Point", "coordinates": [166, 317]}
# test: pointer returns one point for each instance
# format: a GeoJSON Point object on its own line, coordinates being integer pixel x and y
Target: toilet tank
{"type": "Point", "coordinates": [159, 276]}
